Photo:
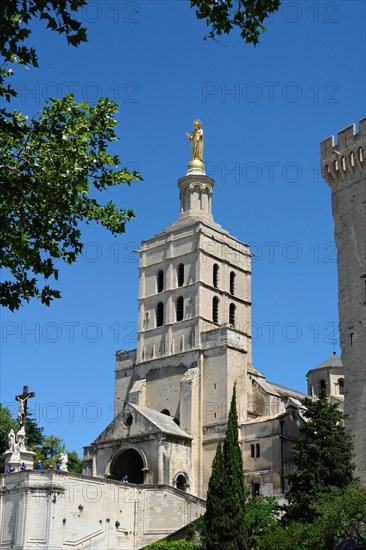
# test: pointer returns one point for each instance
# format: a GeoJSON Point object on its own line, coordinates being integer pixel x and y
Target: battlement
{"type": "Point", "coordinates": [342, 160]}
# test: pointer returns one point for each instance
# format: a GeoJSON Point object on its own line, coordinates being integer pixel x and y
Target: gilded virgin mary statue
{"type": "Point", "coordinates": [197, 145]}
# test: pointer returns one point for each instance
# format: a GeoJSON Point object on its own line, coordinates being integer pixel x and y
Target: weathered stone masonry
{"type": "Point", "coordinates": [344, 169]}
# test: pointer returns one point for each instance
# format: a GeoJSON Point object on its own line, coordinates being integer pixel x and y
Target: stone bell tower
{"type": "Point", "coordinates": [172, 394]}
{"type": "Point", "coordinates": [344, 169]}
{"type": "Point", "coordinates": [194, 278]}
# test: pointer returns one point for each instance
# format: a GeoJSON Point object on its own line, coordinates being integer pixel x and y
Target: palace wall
{"type": "Point", "coordinates": [56, 510]}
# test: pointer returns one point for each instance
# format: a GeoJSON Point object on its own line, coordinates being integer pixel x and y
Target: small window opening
{"type": "Point", "coordinates": [257, 450]}
{"type": "Point", "coordinates": [181, 482]}
{"type": "Point", "coordinates": [341, 386]}
{"type": "Point", "coordinates": [180, 274]}
{"type": "Point", "coordinates": [179, 308]}
{"type": "Point", "coordinates": [232, 283]}
{"type": "Point", "coordinates": [165, 411]}
{"type": "Point", "coordinates": [252, 451]}
{"type": "Point", "coordinates": [215, 275]}
{"type": "Point", "coordinates": [360, 154]}
{"type": "Point", "coordinates": [215, 309]}
{"type": "Point", "coordinates": [160, 280]}
{"type": "Point", "coordinates": [232, 309]}
{"type": "Point", "coordinates": [160, 314]}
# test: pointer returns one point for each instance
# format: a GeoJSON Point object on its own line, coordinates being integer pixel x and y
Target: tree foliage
{"type": "Point", "coordinates": [226, 497]}
{"type": "Point", "coordinates": [235, 494]}
{"type": "Point", "coordinates": [213, 532]}
{"type": "Point", "coordinates": [323, 457]}
{"type": "Point", "coordinates": [48, 448]}
{"type": "Point", "coordinates": [172, 545]}
{"type": "Point", "coordinates": [74, 463]}
{"type": "Point", "coordinates": [48, 452]}
{"type": "Point", "coordinates": [7, 423]}
{"type": "Point", "coordinates": [33, 433]}
{"type": "Point", "coordinates": [248, 15]}
{"type": "Point", "coordinates": [261, 518]}
{"type": "Point", "coordinates": [16, 17]}
{"type": "Point", "coordinates": [50, 165]}
{"type": "Point", "coordinates": [341, 514]}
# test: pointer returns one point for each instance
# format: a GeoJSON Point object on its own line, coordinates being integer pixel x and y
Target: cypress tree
{"type": "Point", "coordinates": [234, 494]}
{"type": "Point", "coordinates": [226, 497]}
{"type": "Point", "coordinates": [214, 509]}
{"type": "Point", "coordinates": [33, 433]}
{"type": "Point", "coordinates": [323, 457]}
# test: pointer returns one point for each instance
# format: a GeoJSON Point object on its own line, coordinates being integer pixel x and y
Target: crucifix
{"type": "Point", "coordinates": [22, 410]}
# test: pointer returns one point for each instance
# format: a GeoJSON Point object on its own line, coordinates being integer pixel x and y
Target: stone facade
{"type": "Point", "coordinates": [344, 169]}
{"type": "Point", "coordinates": [56, 510]}
{"type": "Point", "coordinates": [172, 394]}
{"type": "Point", "coordinates": [328, 376]}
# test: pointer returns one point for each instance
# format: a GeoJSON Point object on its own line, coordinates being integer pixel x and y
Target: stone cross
{"type": "Point", "coordinates": [22, 411]}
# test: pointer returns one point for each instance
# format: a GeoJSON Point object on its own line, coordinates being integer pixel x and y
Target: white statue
{"type": "Point", "coordinates": [15, 457]}
{"type": "Point", "coordinates": [21, 409]}
{"type": "Point", "coordinates": [63, 460]}
{"type": "Point", "coordinates": [21, 438]}
{"type": "Point", "coordinates": [11, 440]}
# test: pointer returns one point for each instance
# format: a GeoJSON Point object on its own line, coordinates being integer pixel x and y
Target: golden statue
{"type": "Point", "coordinates": [197, 145]}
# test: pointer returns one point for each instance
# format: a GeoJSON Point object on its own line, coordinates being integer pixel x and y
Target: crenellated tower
{"type": "Point", "coordinates": [344, 169]}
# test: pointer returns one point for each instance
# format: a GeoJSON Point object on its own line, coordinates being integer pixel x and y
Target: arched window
{"type": "Point", "coordinates": [215, 309]}
{"type": "Point", "coordinates": [232, 309]}
{"type": "Point", "coordinates": [181, 482]}
{"type": "Point", "coordinates": [360, 154]}
{"type": "Point", "coordinates": [232, 283]}
{"type": "Point", "coordinates": [180, 275]}
{"type": "Point", "coordinates": [215, 275]}
{"type": "Point", "coordinates": [160, 280]}
{"type": "Point", "coordinates": [256, 489]}
{"type": "Point", "coordinates": [160, 314]}
{"type": "Point", "coordinates": [341, 386]}
{"type": "Point", "coordinates": [321, 386]}
{"type": "Point", "coordinates": [179, 308]}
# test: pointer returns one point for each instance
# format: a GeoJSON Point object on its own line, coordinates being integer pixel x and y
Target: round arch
{"type": "Point", "coordinates": [129, 461]}
{"type": "Point", "coordinates": [255, 481]}
{"type": "Point", "coordinates": [181, 481]}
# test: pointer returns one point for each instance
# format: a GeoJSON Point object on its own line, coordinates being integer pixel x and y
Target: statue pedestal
{"type": "Point", "coordinates": [196, 167]}
{"type": "Point", "coordinates": [14, 459]}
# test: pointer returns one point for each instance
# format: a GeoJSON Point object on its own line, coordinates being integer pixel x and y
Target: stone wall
{"type": "Point", "coordinates": [344, 169]}
{"type": "Point", "coordinates": [56, 510]}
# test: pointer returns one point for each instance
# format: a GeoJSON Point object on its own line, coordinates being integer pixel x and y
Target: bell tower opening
{"type": "Point", "coordinates": [128, 463]}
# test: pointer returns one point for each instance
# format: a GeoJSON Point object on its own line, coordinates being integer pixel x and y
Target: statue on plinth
{"type": "Point", "coordinates": [16, 457]}
{"type": "Point", "coordinates": [21, 438]}
{"type": "Point", "coordinates": [63, 458]}
{"type": "Point", "coordinates": [11, 440]}
{"type": "Point", "coordinates": [196, 140]}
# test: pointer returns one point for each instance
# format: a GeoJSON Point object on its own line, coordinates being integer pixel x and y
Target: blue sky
{"type": "Point", "coordinates": [264, 112]}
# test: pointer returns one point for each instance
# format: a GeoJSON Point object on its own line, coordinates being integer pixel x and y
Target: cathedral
{"type": "Point", "coordinates": [172, 393]}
